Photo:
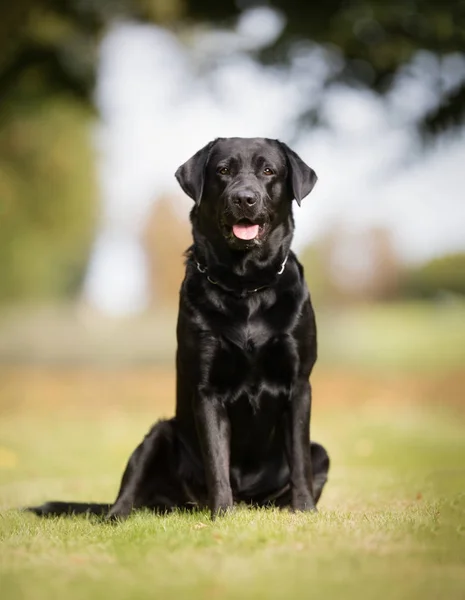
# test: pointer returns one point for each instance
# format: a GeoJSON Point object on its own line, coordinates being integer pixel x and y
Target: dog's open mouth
{"type": "Point", "coordinates": [245, 230]}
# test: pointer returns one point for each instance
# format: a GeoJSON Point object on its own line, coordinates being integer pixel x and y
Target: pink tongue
{"type": "Point", "coordinates": [245, 232]}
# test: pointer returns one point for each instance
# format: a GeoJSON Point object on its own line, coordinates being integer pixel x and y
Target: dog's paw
{"type": "Point", "coordinates": [118, 512]}
{"type": "Point", "coordinates": [303, 502]}
{"type": "Point", "coordinates": [221, 510]}
{"type": "Point", "coordinates": [221, 504]}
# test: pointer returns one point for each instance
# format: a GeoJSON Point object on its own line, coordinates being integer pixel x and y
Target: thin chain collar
{"type": "Point", "coordinates": [204, 271]}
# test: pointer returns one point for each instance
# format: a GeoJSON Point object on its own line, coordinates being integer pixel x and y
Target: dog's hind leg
{"type": "Point", "coordinates": [320, 468]}
{"type": "Point", "coordinates": [150, 480]}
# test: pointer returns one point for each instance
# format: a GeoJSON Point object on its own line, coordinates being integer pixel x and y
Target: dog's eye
{"type": "Point", "coordinates": [267, 171]}
{"type": "Point", "coordinates": [223, 171]}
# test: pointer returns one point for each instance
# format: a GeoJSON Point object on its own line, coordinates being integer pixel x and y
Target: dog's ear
{"type": "Point", "coordinates": [191, 174]}
{"type": "Point", "coordinates": [302, 177]}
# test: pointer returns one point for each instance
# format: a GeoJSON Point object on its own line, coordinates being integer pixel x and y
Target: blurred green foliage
{"type": "Point", "coordinates": [390, 279]}
{"type": "Point", "coordinates": [322, 287]}
{"type": "Point", "coordinates": [370, 41]}
{"type": "Point", "coordinates": [445, 274]}
{"type": "Point", "coordinates": [48, 59]}
{"type": "Point", "coordinates": [47, 200]}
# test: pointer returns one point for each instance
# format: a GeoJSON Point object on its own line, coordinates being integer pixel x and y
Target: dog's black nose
{"type": "Point", "coordinates": [244, 199]}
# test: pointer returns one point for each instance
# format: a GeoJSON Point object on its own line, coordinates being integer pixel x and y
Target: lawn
{"type": "Point", "coordinates": [391, 522]}
{"type": "Point", "coordinates": [407, 336]}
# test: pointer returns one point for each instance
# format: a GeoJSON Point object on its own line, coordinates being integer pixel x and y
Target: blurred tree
{"type": "Point", "coordinates": [445, 274]}
{"type": "Point", "coordinates": [50, 45]}
{"type": "Point", "coordinates": [48, 51]}
{"type": "Point", "coordinates": [47, 201]}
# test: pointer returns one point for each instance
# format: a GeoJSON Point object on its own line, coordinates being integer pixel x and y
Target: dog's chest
{"type": "Point", "coordinates": [251, 356]}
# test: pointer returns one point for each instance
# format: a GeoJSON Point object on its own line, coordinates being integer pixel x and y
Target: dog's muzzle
{"type": "Point", "coordinates": [244, 215]}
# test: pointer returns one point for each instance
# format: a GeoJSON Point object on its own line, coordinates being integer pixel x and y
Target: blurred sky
{"type": "Point", "coordinates": [161, 99]}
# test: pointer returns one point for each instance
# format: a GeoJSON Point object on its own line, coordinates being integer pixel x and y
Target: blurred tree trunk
{"type": "Point", "coordinates": [165, 239]}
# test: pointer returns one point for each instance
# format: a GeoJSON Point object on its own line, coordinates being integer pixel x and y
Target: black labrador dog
{"type": "Point", "coordinates": [246, 346]}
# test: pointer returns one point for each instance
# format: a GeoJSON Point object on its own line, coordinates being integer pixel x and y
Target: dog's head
{"type": "Point", "coordinates": [245, 187]}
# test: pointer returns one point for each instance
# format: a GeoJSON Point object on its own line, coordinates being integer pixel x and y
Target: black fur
{"type": "Point", "coordinates": [246, 347]}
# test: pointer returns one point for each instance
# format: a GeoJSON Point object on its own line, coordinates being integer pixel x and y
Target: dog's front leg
{"type": "Point", "coordinates": [214, 433]}
{"type": "Point", "coordinates": [299, 447]}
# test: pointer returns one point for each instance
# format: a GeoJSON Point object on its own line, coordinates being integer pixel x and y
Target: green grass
{"type": "Point", "coordinates": [407, 336]}
{"type": "Point", "coordinates": [391, 522]}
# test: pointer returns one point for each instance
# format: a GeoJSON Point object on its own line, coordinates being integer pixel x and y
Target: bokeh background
{"type": "Point", "coordinates": [101, 100]}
